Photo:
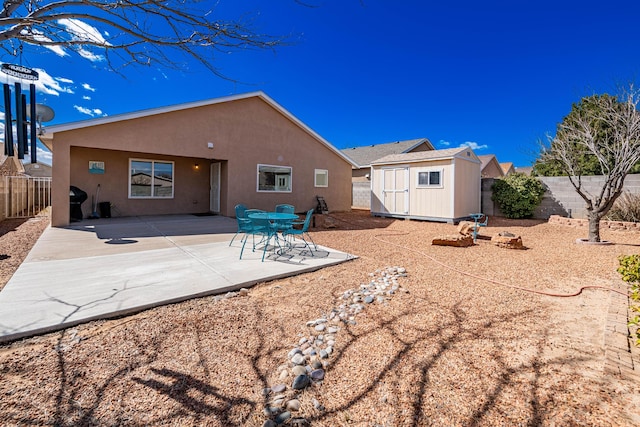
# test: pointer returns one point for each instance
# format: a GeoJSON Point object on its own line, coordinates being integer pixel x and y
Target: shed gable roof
{"type": "Point", "coordinates": [421, 156]}
{"type": "Point", "coordinates": [365, 155]}
{"type": "Point", "coordinates": [48, 136]}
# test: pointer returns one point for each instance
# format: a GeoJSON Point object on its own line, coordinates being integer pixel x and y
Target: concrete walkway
{"type": "Point", "coordinates": [105, 268]}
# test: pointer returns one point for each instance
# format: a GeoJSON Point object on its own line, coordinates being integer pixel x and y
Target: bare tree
{"type": "Point", "coordinates": [606, 128]}
{"type": "Point", "coordinates": [124, 32]}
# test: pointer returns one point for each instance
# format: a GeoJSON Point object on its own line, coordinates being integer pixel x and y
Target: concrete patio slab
{"type": "Point", "coordinates": [105, 268]}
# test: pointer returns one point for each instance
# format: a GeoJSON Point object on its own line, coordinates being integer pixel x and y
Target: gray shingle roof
{"type": "Point", "coordinates": [366, 154]}
{"type": "Point", "coordinates": [421, 155]}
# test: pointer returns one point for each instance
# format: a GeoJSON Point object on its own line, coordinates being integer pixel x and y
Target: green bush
{"type": "Point", "coordinates": [625, 208]}
{"type": "Point", "coordinates": [630, 271]}
{"type": "Point", "coordinates": [517, 195]}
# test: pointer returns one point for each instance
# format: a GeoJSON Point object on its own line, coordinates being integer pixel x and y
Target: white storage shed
{"type": "Point", "coordinates": [440, 185]}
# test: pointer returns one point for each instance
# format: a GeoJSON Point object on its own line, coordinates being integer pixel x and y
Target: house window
{"type": "Point", "coordinates": [321, 178]}
{"type": "Point", "coordinates": [274, 178]}
{"type": "Point", "coordinates": [430, 178]}
{"type": "Point", "coordinates": [150, 179]}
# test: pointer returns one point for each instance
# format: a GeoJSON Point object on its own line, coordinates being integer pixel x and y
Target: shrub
{"type": "Point", "coordinates": [625, 208]}
{"type": "Point", "coordinates": [630, 271]}
{"type": "Point", "coordinates": [517, 195]}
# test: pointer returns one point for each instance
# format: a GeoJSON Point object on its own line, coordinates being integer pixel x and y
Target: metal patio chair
{"type": "Point", "coordinates": [300, 233]}
{"type": "Point", "coordinates": [244, 224]}
{"type": "Point", "coordinates": [280, 224]}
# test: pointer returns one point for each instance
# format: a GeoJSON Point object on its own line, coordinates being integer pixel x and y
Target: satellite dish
{"type": "Point", "coordinates": [43, 113]}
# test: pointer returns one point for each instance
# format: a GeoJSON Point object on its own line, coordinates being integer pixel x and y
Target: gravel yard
{"type": "Point", "coordinates": [457, 345]}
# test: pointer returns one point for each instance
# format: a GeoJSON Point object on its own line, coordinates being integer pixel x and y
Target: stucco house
{"type": "Point", "coordinates": [439, 185]}
{"type": "Point", "coordinates": [195, 158]}
{"type": "Point", "coordinates": [490, 167]}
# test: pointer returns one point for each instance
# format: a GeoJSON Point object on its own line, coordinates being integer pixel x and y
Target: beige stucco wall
{"type": "Point", "coordinates": [191, 185]}
{"type": "Point", "coordinates": [244, 133]}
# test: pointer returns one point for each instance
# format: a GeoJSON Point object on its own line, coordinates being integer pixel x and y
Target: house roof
{"type": "Point", "coordinates": [488, 159]}
{"type": "Point", "coordinates": [507, 167]}
{"type": "Point", "coordinates": [50, 131]}
{"type": "Point", "coordinates": [365, 155]}
{"type": "Point", "coordinates": [419, 156]}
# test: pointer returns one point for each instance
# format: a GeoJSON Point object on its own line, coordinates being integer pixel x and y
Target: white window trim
{"type": "Point", "coordinates": [316, 172]}
{"type": "Point", "coordinates": [440, 170]}
{"type": "Point", "coordinates": [274, 191]}
{"type": "Point", "coordinates": [153, 162]}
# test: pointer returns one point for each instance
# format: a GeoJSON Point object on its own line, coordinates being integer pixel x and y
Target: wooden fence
{"type": "Point", "coordinates": [23, 196]}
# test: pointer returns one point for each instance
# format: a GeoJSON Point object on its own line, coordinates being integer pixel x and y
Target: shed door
{"type": "Point", "coordinates": [395, 190]}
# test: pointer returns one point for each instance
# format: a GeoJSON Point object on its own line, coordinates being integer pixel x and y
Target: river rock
{"type": "Point", "coordinates": [298, 359]}
{"type": "Point", "coordinates": [300, 382]}
{"type": "Point", "coordinates": [293, 405]}
{"type": "Point", "coordinates": [279, 388]}
{"type": "Point", "coordinates": [299, 370]}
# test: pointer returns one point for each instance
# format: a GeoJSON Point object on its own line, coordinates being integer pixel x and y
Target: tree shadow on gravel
{"type": "Point", "coordinates": [441, 340]}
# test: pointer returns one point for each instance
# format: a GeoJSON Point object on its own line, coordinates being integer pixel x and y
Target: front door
{"type": "Point", "coordinates": [395, 185]}
{"type": "Point", "coordinates": [214, 188]}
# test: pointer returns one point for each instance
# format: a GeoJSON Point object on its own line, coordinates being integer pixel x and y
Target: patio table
{"type": "Point", "coordinates": [274, 217]}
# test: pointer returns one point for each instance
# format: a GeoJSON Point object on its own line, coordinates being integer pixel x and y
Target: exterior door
{"type": "Point", "coordinates": [214, 188]}
{"type": "Point", "coordinates": [395, 190]}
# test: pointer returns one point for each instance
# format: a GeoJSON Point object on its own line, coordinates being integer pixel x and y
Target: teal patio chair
{"type": "Point", "coordinates": [244, 224]}
{"type": "Point", "coordinates": [284, 225]}
{"type": "Point", "coordinates": [300, 233]}
{"type": "Point", "coordinates": [259, 227]}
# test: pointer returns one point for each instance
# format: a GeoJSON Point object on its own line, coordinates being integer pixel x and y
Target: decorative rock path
{"type": "Point", "coordinates": [308, 361]}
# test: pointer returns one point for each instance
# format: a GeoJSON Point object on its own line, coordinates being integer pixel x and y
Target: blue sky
{"type": "Point", "coordinates": [495, 75]}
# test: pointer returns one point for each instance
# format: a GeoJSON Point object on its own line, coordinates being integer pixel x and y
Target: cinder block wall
{"type": "Point", "coordinates": [361, 195]}
{"type": "Point", "coordinates": [560, 197]}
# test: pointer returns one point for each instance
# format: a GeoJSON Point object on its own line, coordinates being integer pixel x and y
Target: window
{"type": "Point", "coordinates": [430, 179]}
{"type": "Point", "coordinates": [274, 178]}
{"type": "Point", "coordinates": [321, 178]}
{"type": "Point", "coordinates": [150, 179]}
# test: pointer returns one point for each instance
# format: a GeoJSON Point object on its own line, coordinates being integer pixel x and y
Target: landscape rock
{"type": "Point", "coordinates": [507, 240]}
{"type": "Point", "coordinates": [459, 240]}
{"type": "Point", "coordinates": [465, 228]}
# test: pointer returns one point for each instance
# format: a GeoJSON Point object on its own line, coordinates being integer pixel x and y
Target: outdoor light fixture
{"type": "Point", "coordinates": [196, 166]}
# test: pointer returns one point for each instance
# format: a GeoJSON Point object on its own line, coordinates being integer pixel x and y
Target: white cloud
{"type": "Point", "coordinates": [64, 80]}
{"type": "Point", "coordinates": [81, 31]}
{"type": "Point", "coordinates": [84, 110]}
{"type": "Point", "coordinates": [444, 143]}
{"type": "Point", "coordinates": [88, 111]}
{"type": "Point", "coordinates": [40, 37]}
{"type": "Point", "coordinates": [86, 97]}
{"type": "Point", "coordinates": [474, 145]}
{"type": "Point", "coordinates": [44, 156]}
{"type": "Point", "coordinates": [87, 86]}
{"type": "Point", "coordinates": [90, 55]}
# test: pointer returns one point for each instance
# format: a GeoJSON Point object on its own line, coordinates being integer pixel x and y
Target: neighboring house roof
{"type": "Point", "coordinates": [9, 165]}
{"type": "Point", "coordinates": [420, 156]}
{"type": "Point", "coordinates": [507, 168]}
{"type": "Point", "coordinates": [52, 129]}
{"type": "Point", "coordinates": [365, 155]}
{"type": "Point", "coordinates": [490, 167]}
{"type": "Point", "coordinates": [37, 169]}
{"type": "Point", "coordinates": [525, 170]}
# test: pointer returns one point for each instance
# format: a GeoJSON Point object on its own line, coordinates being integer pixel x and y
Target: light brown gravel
{"type": "Point", "coordinates": [456, 350]}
